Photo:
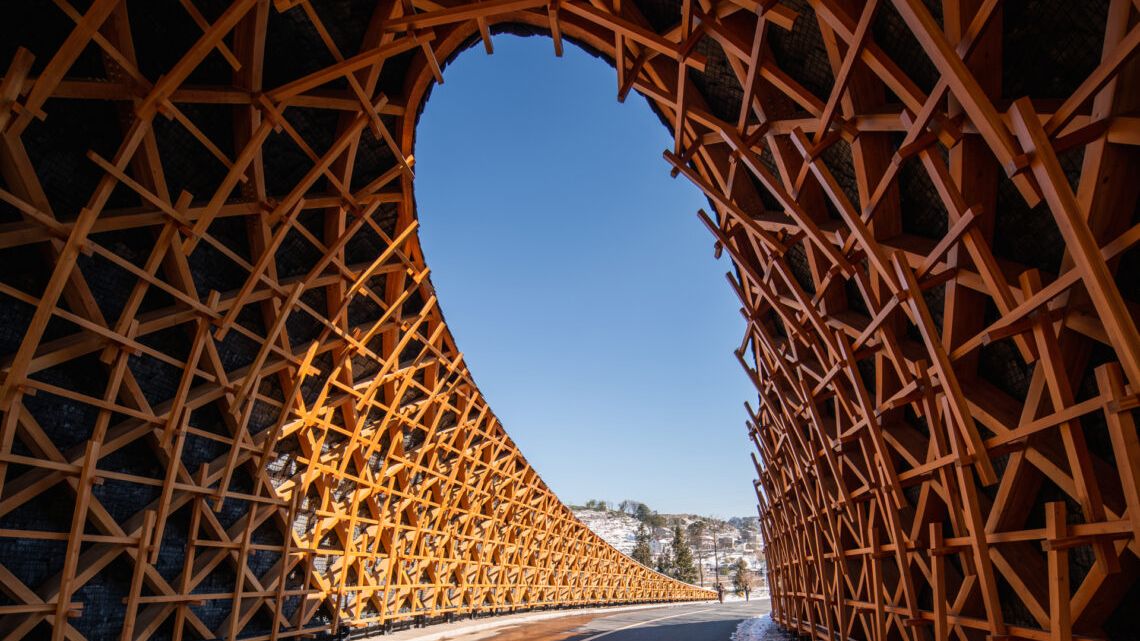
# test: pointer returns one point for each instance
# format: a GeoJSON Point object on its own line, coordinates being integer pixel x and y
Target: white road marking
{"type": "Point", "coordinates": [641, 623]}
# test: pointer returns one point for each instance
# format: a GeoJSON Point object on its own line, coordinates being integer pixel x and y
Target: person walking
{"type": "Point", "coordinates": [720, 592]}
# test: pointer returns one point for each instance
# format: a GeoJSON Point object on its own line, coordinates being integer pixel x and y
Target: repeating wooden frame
{"type": "Point", "coordinates": [359, 476]}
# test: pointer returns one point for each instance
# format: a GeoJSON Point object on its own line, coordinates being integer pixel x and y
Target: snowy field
{"type": "Point", "coordinates": [617, 529]}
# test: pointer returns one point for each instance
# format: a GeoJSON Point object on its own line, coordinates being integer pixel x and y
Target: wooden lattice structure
{"type": "Point", "coordinates": [232, 407]}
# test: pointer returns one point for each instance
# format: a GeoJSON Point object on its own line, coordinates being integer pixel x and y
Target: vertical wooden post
{"type": "Point", "coordinates": [938, 582]}
{"type": "Point", "coordinates": [87, 479]}
{"type": "Point", "coordinates": [1060, 612]}
{"type": "Point", "coordinates": [142, 556]}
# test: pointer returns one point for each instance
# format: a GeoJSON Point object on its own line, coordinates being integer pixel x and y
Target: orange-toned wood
{"type": "Point", "coordinates": [356, 475]}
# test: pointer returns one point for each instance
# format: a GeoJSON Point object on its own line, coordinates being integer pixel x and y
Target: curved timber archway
{"type": "Point", "coordinates": [232, 407]}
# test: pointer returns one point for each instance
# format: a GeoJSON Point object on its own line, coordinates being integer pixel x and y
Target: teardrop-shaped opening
{"type": "Point", "coordinates": [579, 283]}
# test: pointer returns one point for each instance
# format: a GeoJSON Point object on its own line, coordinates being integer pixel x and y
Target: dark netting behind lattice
{"type": "Point", "coordinates": [1000, 364]}
{"type": "Point", "coordinates": [796, 256]}
{"type": "Point", "coordinates": [661, 14]}
{"type": "Point", "coordinates": [837, 158]}
{"type": "Point", "coordinates": [800, 52]}
{"type": "Point", "coordinates": [718, 85]}
{"type": "Point", "coordinates": [1050, 46]}
{"type": "Point", "coordinates": [922, 212]}
{"type": "Point", "coordinates": [891, 34]}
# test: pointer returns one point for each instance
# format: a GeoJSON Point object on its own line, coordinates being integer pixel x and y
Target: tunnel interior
{"type": "Point", "coordinates": [232, 406]}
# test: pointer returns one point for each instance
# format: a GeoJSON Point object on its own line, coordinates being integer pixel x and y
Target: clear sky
{"type": "Point", "coordinates": [579, 283]}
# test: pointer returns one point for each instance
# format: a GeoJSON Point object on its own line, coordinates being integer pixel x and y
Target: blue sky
{"type": "Point", "coordinates": [580, 284]}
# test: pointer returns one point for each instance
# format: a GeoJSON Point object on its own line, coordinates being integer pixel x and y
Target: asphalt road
{"type": "Point", "coordinates": [697, 622]}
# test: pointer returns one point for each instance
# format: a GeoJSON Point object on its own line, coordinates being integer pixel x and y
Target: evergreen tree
{"type": "Point", "coordinates": [629, 506]}
{"type": "Point", "coordinates": [741, 577]}
{"type": "Point", "coordinates": [642, 512]}
{"type": "Point", "coordinates": [641, 550]}
{"type": "Point", "coordinates": [697, 535]}
{"type": "Point", "coordinates": [665, 562]}
{"type": "Point", "coordinates": [654, 521]}
{"type": "Point", "coordinates": [683, 568]}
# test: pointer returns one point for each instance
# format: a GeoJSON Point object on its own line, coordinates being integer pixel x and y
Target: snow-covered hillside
{"type": "Point", "coordinates": [617, 528]}
{"type": "Point", "coordinates": [722, 543]}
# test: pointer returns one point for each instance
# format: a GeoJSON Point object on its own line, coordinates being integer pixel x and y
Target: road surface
{"type": "Point", "coordinates": [696, 622]}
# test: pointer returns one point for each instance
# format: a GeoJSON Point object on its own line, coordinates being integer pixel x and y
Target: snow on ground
{"type": "Point", "coordinates": [760, 593]}
{"type": "Point", "coordinates": [760, 629]}
{"type": "Point", "coordinates": [751, 629]}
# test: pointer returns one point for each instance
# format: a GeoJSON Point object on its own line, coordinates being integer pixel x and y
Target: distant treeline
{"type": "Point", "coordinates": [676, 557]}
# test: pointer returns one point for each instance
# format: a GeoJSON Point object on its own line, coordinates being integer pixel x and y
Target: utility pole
{"type": "Point", "coordinates": [716, 560]}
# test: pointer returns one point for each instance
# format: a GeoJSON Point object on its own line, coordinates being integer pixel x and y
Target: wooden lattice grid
{"type": "Point", "coordinates": [232, 407]}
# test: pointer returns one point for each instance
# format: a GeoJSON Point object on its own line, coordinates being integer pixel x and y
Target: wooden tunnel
{"type": "Point", "coordinates": [232, 409]}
